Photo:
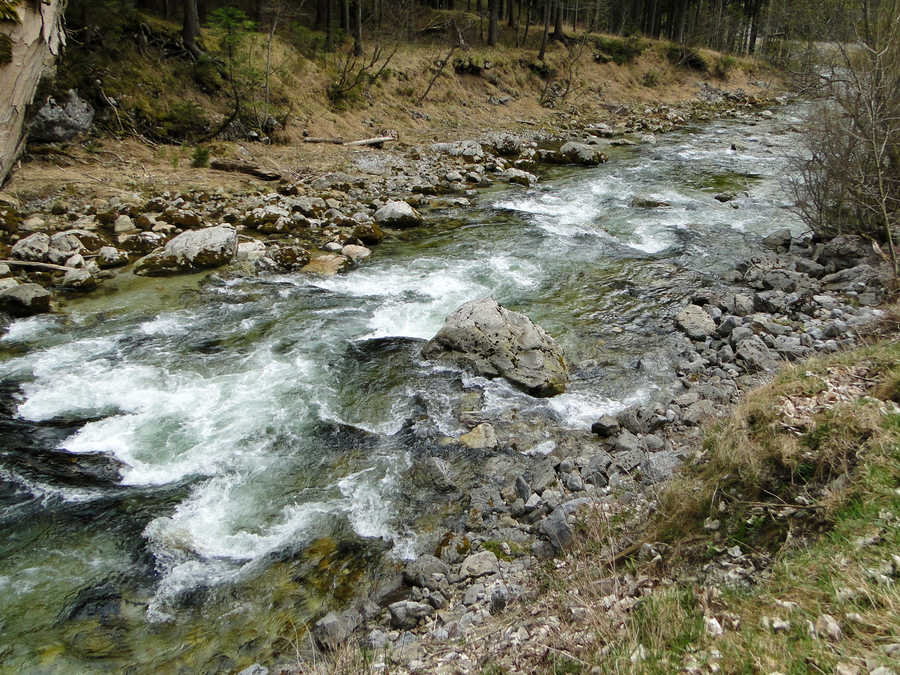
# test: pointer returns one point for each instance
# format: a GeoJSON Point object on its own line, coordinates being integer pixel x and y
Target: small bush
{"type": "Point", "coordinates": [724, 65]}
{"type": "Point", "coordinates": [200, 158]}
{"type": "Point", "coordinates": [679, 55]}
{"type": "Point", "coordinates": [618, 50]}
{"type": "Point", "coordinates": [184, 120]}
{"type": "Point", "coordinates": [650, 79]}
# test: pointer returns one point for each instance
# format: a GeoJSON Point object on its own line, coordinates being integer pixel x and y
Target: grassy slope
{"type": "Point", "coordinates": [805, 480]}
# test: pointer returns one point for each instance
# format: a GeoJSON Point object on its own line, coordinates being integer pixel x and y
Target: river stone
{"type": "Point", "coordinates": [356, 253]}
{"type": "Point", "coordinates": [426, 571]}
{"type": "Point", "coordinates": [35, 247]}
{"type": "Point", "coordinates": [333, 629]}
{"type": "Point", "coordinates": [495, 342]}
{"type": "Point", "coordinates": [470, 151]}
{"type": "Point", "coordinates": [327, 264]}
{"type": "Point", "coordinates": [640, 202]}
{"type": "Point", "coordinates": [79, 280]}
{"type": "Point", "coordinates": [605, 426]}
{"type": "Point", "coordinates": [368, 233]}
{"type": "Point", "coordinates": [479, 564]}
{"type": "Point", "coordinates": [481, 437]}
{"type": "Point", "coordinates": [25, 300]}
{"type": "Point", "coordinates": [581, 153]}
{"type": "Point", "coordinates": [56, 122]}
{"type": "Point", "coordinates": [191, 250]}
{"type": "Point", "coordinates": [695, 322]}
{"type": "Point", "coordinates": [7, 283]}
{"type": "Point", "coordinates": [63, 245]}
{"type": "Point", "coordinates": [779, 241]}
{"type": "Point", "coordinates": [519, 177]}
{"type": "Point", "coordinates": [398, 214]}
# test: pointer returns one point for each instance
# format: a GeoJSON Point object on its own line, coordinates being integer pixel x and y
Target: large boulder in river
{"type": "Point", "coordinates": [492, 341]}
{"type": "Point", "coordinates": [581, 153]}
{"type": "Point", "coordinates": [397, 214]}
{"type": "Point", "coordinates": [191, 250]}
{"type": "Point", "coordinates": [35, 247]}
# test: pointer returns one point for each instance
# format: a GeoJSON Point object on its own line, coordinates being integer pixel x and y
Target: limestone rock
{"type": "Point", "coordinates": [35, 247]}
{"type": "Point", "coordinates": [581, 153]}
{"type": "Point", "coordinates": [481, 437]}
{"type": "Point", "coordinates": [25, 300]}
{"type": "Point", "coordinates": [79, 280]}
{"type": "Point", "coordinates": [407, 614]}
{"type": "Point", "coordinates": [695, 322]}
{"type": "Point", "coordinates": [110, 256]}
{"type": "Point", "coordinates": [397, 214]}
{"type": "Point", "coordinates": [57, 122]}
{"type": "Point", "coordinates": [191, 250]}
{"type": "Point", "coordinates": [479, 564]}
{"type": "Point", "coordinates": [495, 342]}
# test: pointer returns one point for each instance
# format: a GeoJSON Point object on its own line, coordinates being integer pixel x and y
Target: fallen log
{"type": "Point", "coordinates": [244, 167]}
{"type": "Point", "coordinates": [38, 265]}
{"type": "Point", "coordinates": [378, 141]}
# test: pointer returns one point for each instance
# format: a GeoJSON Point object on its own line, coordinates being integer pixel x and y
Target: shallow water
{"type": "Point", "coordinates": [262, 428]}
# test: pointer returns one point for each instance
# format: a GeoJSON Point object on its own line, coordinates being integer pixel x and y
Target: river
{"type": "Point", "coordinates": [190, 469]}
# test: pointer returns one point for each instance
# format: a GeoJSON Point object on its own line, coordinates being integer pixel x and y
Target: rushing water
{"type": "Point", "coordinates": [240, 441]}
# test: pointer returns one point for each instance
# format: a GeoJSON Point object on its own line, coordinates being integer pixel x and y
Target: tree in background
{"type": "Point", "coordinates": [849, 182]}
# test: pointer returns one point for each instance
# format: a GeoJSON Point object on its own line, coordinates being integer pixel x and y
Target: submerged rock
{"type": "Point", "coordinates": [495, 342]}
{"type": "Point", "coordinates": [191, 250]}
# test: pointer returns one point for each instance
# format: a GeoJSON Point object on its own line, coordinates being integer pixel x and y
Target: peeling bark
{"type": "Point", "coordinates": [37, 40]}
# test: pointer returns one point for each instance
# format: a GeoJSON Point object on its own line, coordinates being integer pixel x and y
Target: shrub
{"type": "Point", "coordinates": [680, 55]}
{"type": "Point", "coordinates": [618, 50]}
{"type": "Point", "coordinates": [200, 158]}
{"type": "Point", "coordinates": [184, 120]}
{"type": "Point", "coordinates": [650, 79]}
{"type": "Point", "coordinates": [724, 64]}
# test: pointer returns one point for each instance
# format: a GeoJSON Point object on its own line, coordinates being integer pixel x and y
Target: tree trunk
{"type": "Point", "coordinates": [35, 42]}
{"type": "Point", "coordinates": [357, 28]}
{"type": "Point", "coordinates": [190, 30]}
{"type": "Point", "coordinates": [494, 9]}
{"type": "Point", "coordinates": [546, 29]}
{"type": "Point", "coordinates": [557, 26]}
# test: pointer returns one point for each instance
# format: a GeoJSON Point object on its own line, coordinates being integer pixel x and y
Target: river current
{"type": "Point", "coordinates": [192, 468]}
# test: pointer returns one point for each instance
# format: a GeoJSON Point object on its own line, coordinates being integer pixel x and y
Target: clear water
{"type": "Point", "coordinates": [262, 425]}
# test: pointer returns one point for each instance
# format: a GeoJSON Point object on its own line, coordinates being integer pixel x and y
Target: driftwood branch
{"type": "Point", "coordinates": [376, 141]}
{"type": "Point", "coordinates": [38, 265]}
{"type": "Point", "coordinates": [244, 167]}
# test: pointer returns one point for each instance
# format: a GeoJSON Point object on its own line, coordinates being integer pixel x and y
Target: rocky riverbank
{"type": "Point", "coordinates": [62, 246]}
{"type": "Point", "coordinates": [790, 300]}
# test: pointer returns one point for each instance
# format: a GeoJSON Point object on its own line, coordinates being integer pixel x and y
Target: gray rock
{"type": "Point", "coordinates": [640, 202]}
{"type": "Point", "coordinates": [255, 669]}
{"type": "Point", "coordinates": [659, 466]}
{"type": "Point", "coordinates": [397, 214]}
{"type": "Point", "coordinates": [779, 241]}
{"type": "Point", "coordinates": [520, 177]}
{"type": "Point", "coordinates": [479, 564]}
{"type": "Point", "coordinates": [581, 153]}
{"type": "Point", "coordinates": [698, 412]}
{"type": "Point", "coordinates": [523, 489]}
{"type": "Point", "coordinates": [333, 630]}
{"type": "Point", "coordinates": [756, 356]}
{"type": "Point", "coordinates": [627, 442]}
{"type": "Point", "coordinates": [79, 280]}
{"type": "Point", "coordinates": [191, 250]}
{"type": "Point", "coordinates": [470, 151]}
{"type": "Point", "coordinates": [25, 300]}
{"type": "Point", "coordinates": [495, 342]}
{"type": "Point", "coordinates": [63, 245]}
{"type": "Point", "coordinates": [6, 283]}
{"type": "Point", "coordinates": [426, 571]}
{"type": "Point", "coordinates": [481, 437]}
{"type": "Point", "coordinates": [695, 322]}
{"type": "Point", "coordinates": [407, 614]}
{"type": "Point", "coordinates": [355, 253]}
{"type": "Point", "coordinates": [556, 529]}
{"type": "Point", "coordinates": [499, 598]}
{"type": "Point", "coordinates": [35, 247]}
{"type": "Point", "coordinates": [57, 122]}
{"type": "Point", "coordinates": [605, 426]}
{"type": "Point", "coordinates": [574, 482]}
